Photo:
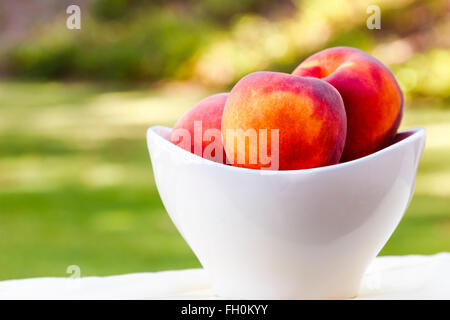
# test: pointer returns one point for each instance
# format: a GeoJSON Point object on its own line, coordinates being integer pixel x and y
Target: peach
{"type": "Point", "coordinates": [198, 130]}
{"type": "Point", "coordinates": [306, 116]}
{"type": "Point", "coordinates": [372, 97]}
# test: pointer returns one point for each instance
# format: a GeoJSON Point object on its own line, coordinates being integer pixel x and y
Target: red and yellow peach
{"type": "Point", "coordinates": [198, 130]}
{"type": "Point", "coordinates": [372, 97]}
{"type": "Point", "coordinates": [308, 113]}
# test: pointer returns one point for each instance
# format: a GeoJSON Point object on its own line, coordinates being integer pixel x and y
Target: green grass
{"type": "Point", "coordinates": [76, 185]}
{"type": "Point", "coordinates": [103, 230]}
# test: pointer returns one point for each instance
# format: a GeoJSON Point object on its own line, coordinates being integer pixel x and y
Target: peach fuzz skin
{"type": "Point", "coordinates": [309, 114]}
{"type": "Point", "coordinates": [209, 111]}
{"type": "Point", "coordinates": [372, 97]}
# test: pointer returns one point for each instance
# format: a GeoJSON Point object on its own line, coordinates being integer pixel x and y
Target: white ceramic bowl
{"type": "Point", "coordinates": [302, 234]}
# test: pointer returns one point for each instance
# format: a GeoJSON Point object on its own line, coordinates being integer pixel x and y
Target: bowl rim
{"type": "Point", "coordinates": [416, 134]}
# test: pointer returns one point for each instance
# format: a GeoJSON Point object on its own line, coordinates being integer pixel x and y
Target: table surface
{"type": "Point", "coordinates": [389, 277]}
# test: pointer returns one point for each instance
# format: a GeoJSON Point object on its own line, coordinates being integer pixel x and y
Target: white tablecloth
{"type": "Point", "coordinates": [393, 277]}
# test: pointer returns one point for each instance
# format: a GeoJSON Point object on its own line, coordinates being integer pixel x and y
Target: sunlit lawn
{"type": "Point", "coordinates": [76, 185]}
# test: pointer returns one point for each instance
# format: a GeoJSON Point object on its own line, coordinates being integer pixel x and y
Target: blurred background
{"type": "Point", "coordinates": [76, 185]}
